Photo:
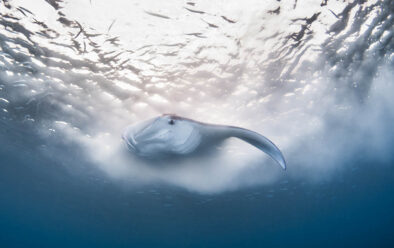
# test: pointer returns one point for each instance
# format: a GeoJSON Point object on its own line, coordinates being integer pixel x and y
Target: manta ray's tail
{"type": "Point", "coordinates": [260, 142]}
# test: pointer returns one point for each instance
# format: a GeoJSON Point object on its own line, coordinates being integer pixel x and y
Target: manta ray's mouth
{"type": "Point", "coordinates": [130, 143]}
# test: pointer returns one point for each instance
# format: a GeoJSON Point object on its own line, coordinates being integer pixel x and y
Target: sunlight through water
{"type": "Point", "coordinates": [74, 74]}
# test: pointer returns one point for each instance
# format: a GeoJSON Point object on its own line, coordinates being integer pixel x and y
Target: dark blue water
{"type": "Point", "coordinates": [44, 206]}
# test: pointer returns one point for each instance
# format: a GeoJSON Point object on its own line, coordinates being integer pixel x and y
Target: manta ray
{"type": "Point", "coordinates": [170, 135]}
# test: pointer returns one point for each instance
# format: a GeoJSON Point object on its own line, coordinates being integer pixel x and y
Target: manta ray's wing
{"type": "Point", "coordinates": [260, 142]}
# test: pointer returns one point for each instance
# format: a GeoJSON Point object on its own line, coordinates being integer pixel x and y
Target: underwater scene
{"type": "Point", "coordinates": [130, 123]}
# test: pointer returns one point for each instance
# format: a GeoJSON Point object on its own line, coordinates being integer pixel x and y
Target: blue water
{"type": "Point", "coordinates": [43, 206]}
{"type": "Point", "coordinates": [319, 84]}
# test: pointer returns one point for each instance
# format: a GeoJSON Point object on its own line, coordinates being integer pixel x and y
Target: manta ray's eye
{"type": "Point", "coordinates": [171, 122]}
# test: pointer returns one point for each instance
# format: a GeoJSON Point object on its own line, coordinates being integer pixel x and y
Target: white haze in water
{"type": "Point", "coordinates": [296, 79]}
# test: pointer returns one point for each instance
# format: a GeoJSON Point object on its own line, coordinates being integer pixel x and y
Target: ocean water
{"type": "Point", "coordinates": [316, 77]}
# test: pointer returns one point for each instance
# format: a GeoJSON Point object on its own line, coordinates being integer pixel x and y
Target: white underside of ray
{"type": "Point", "coordinates": [155, 137]}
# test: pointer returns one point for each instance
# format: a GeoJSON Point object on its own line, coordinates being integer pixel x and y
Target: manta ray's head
{"type": "Point", "coordinates": [166, 134]}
